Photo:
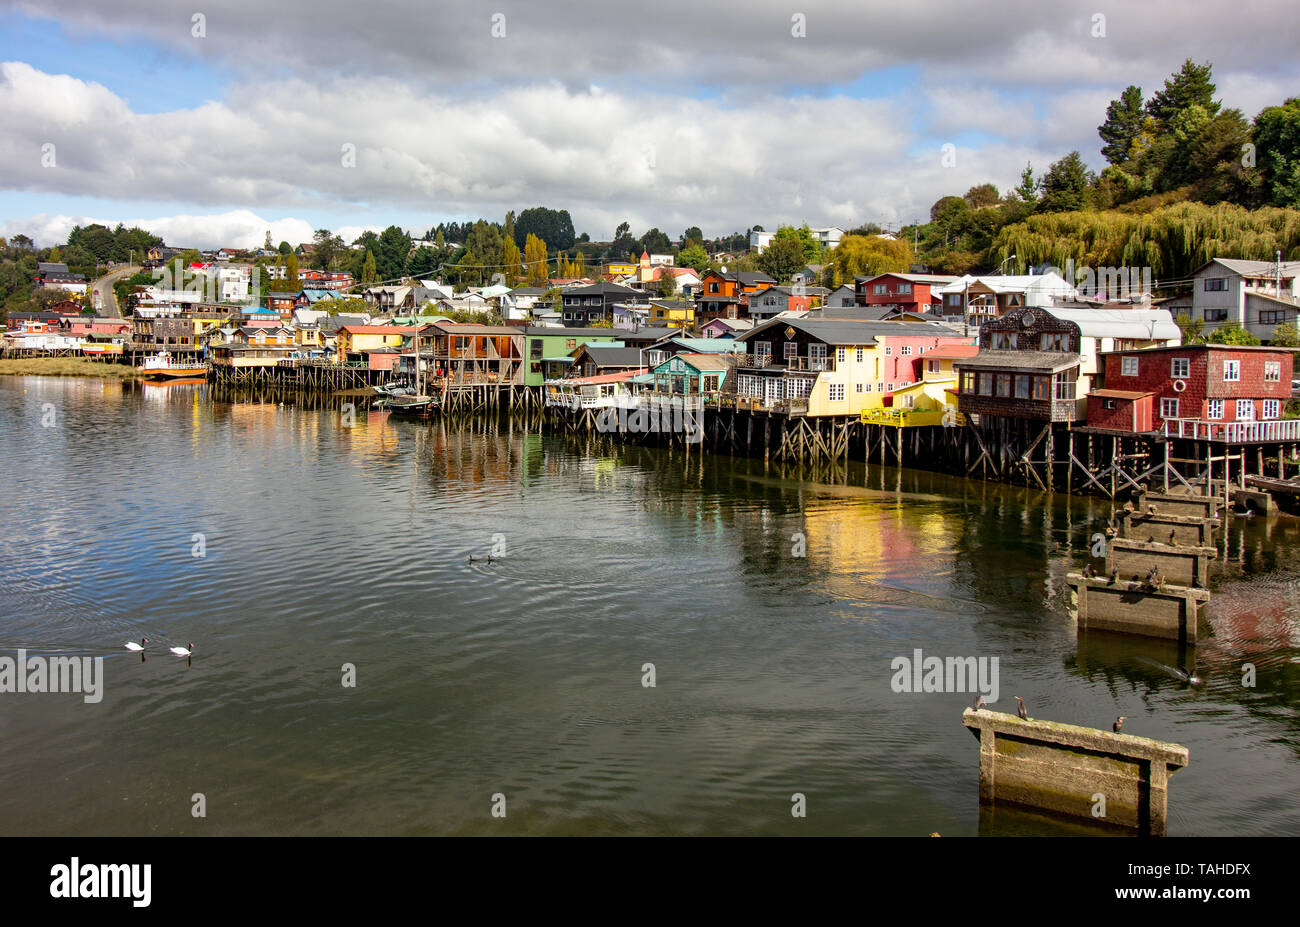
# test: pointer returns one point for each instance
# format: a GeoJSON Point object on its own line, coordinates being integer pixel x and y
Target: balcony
{"type": "Point", "coordinates": [1233, 432]}
{"type": "Point", "coordinates": [753, 360]}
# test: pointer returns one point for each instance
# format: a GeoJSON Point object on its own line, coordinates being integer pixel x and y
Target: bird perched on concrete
{"type": "Point", "coordinates": [1114, 575]}
{"type": "Point", "coordinates": [1151, 538]}
{"type": "Point", "coordinates": [1024, 715]}
{"type": "Point", "coordinates": [1154, 579]}
{"type": "Point", "coordinates": [1088, 571]}
{"type": "Point", "coordinates": [1119, 723]}
{"type": "Point", "coordinates": [1173, 537]}
{"type": "Point", "coordinates": [978, 703]}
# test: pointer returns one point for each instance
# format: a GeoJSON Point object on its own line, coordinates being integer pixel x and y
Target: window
{"type": "Point", "coordinates": [837, 392]}
{"type": "Point", "coordinates": [1055, 341]}
{"type": "Point", "coordinates": [986, 384]}
{"type": "Point", "coordinates": [1043, 388]}
{"type": "Point", "coordinates": [907, 350]}
{"type": "Point", "coordinates": [1003, 341]}
{"type": "Point", "coordinates": [791, 350]}
{"type": "Point", "coordinates": [1214, 409]}
{"type": "Point", "coordinates": [932, 366]}
{"type": "Point", "coordinates": [1180, 368]}
{"type": "Point", "coordinates": [1065, 385]}
{"type": "Point", "coordinates": [857, 387]}
{"type": "Point", "coordinates": [1245, 410]}
{"type": "Point", "coordinates": [713, 288]}
{"type": "Point", "coordinates": [1004, 385]}
{"type": "Point", "coordinates": [1169, 408]}
{"type": "Point", "coordinates": [860, 355]}
{"type": "Point", "coordinates": [888, 350]}
{"type": "Point", "coordinates": [1272, 408]}
{"type": "Point", "coordinates": [1216, 284]}
{"type": "Point", "coordinates": [816, 357]}
{"type": "Point", "coordinates": [953, 300]}
{"type": "Point", "coordinates": [889, 387]}
{"type": "Point", "coordinates": [841, 355]}
{"type": "Point", "coordinates": [1231, 371]}
{"type": "Point", "coordinates": [905, 288]}
{"type": "Point", "coordinates": [1110, 404]}
{"type": "Point", "coordinates": [1128, 366]}
{"type": "Point", "coordinates": [1272, 371]}
{"type": "Point", "coordinates": [1216, 315]}
{"type": "Point", "coordinates": [880, 289]}
{"type": "Point", "coordinates": [571, 343]}
{"type": "Point", "coordinates": [1022, 387]}
{"type": "Point", "coordinates": [1272, 316]}
{"type": "Point", "coordinates": [968, 381]}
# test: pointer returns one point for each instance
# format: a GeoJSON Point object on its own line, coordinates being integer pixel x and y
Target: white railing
{"type": "Point", "coordinates": [1233, 432]}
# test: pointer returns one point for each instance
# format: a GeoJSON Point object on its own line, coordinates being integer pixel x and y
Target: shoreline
{"type": "Point", "coordinates": [65, 367]}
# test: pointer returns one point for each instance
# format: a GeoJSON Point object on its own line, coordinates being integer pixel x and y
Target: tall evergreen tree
{"type": "Point", "coordinates": [1193, 84]}
{"type": "Point", "coordinates": [1125, 118]}
{"type": "Point", "coordinates": [1065, 184]}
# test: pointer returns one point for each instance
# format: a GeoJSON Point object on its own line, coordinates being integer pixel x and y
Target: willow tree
{"type": "Point", "coordinates": [868, 254]}
{"type": "Point", "coordinates": [535, 259]}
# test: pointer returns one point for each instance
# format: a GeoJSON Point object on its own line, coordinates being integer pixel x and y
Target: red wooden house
{"type": "Point", "coordinates": [1202, 391]}
{"type": "Point", "coordinates": [909, 292]}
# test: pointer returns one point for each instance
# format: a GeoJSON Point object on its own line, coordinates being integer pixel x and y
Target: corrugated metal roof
{"type": "Point", "coordinates": [1020, 360]}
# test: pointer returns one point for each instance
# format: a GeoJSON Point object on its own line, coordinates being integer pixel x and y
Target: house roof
{"type": "Point", "coordinates": [604, 288]}
{"type": "Point", "coordinates": [1044, 361]}
{"type": "Point", "coordinates": [953, 351]}
{"type": "Point", "coordinates": [599, 378]}
{"type": "Point", "coordinates": [702, 362]}
{"type": "Point", "coordinates": [1119, 394]}
{"type": "Point", "coordinates": [912, 278]}
{"type": "Point", "coordinates": [1008, 283]}
{"type": "Point", "coordinates": [608, 356]}
{"type": "Point", "coordinates": [1151, 324]}
{"type": "Point", "coordinates": [845, 331]}
{"type": "Point", "coordinates": [1251, 268]}
{"type": "Point", "coordinates": [710, 345]}
{"type": "Point", "coordinates": [378, 329]}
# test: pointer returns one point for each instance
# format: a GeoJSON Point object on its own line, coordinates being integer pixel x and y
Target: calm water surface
{"type": "Point", "coordinates": [328, 545]}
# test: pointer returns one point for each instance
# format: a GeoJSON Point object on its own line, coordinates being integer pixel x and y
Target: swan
{"type": "Point", "coordinates": [134, 647]}
{"type": "Point", "coordinates": [182, 651]}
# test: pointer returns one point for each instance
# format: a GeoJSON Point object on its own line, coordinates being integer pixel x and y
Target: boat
{"type": "Point", "coordinates": [413, 406]}
{"type": "Point", "coordinates": [162, 366]}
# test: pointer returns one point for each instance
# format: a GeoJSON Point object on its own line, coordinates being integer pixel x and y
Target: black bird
{"type": "Point", "coordinates": [1088, 571]}
{"type": "Point", "coordinates": [978, 703]}
{"type": "Point", "coordinates": [1151, 538]}
{"type": "Point", "coordinates": [473, 559]}
{"type": "Point", "coordinates": [1188, 678]}
{"type": "Point", "coordinates": [1114, 575]}
{"type": "Point", "coordinates": [1119, 723]}
{"type": "Point", "coordinates": [1173, 537]}
{"type": "Point", "coordinates": [1024, 715]}
{"type": "Point", "coordinates": [1151, 509]}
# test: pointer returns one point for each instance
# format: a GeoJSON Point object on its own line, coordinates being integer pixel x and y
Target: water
{"type": "Point", "coordinates": [328, 545]}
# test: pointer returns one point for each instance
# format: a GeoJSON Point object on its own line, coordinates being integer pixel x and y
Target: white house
{"type": "Point", "coordinates": [994, 295]}
{"type": "Point", "coordinates": [1258, 295]}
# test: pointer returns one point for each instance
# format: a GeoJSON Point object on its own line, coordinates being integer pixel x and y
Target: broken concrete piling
{"type": "Point", "coordinates": [1082, 772]}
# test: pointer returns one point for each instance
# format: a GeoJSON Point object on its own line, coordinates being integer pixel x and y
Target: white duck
{"type": "Point", "coordinates": [182, 651]}
{"type": "Point", "coordinates": [134, 647]}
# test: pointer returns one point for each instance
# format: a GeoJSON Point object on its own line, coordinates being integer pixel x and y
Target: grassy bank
{"type": "Point", "coordinates": [64, 367]}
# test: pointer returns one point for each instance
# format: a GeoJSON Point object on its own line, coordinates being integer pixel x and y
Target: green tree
{"type": "Point", "coordinates": [1193, 85]}
{"type": "Point", "coordinates": [782, 258]}
{"type": "Point", "coordinates": [391, 251]}
{"type": "Point", "coordinates": [656, 242]}
{"type": "Point", "coordinates": [1193, 329]}
{"type": "Point", "coordinates": [1232, 333]}
{"type": "Point", "coordinates": [692, 234]}
{"type": "Point", "coordinates": [1125, 119]}
{"type": "Point", "coordinates": [554, 227]}
{"type": "Point", "coordinates": [535, 258]}
{"type": "Point", "coordinates": [329, 250]}
{"type": "Point", "coordinates": [1285, 336]}
{"type": "Point", "coordinates": [694, 257]}
{"type": "Point", "coordinates": [1277, 149]}
{"type": "Point", "coordinates": [291, 284]}
{"type": "Point", "coordinates": [812, 249]}
{"type": "Point", "coordinates": [982, 195]}
{"type": "Point", "coordinates": [368, 272]}
{"type": "Point", "coordinates": [1065, 184]}
{"type": "Point", "coordinates": [1027, 190]}
{"type": "Point", "coordinates": [868, 254]}
{"type": "Point", "coordinates": [285, 247]}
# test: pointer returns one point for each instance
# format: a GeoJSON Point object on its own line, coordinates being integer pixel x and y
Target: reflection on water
{"type": "Point", "coordinates": [770, 600]}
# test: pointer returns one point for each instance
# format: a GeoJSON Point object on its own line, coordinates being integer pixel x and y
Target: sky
{"type": "Point", "coordinates": [213, 127]}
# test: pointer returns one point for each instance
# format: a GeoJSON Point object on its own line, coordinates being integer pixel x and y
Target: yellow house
{"type": "Point", "coordinates": [677, 313]}
{"type": "Point", "coordinates": [355, 339]}
{"type": "Point", "coordinates": [618, 268]}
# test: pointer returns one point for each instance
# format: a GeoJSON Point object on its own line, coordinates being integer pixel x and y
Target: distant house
{"type": "Point", "coordinates": [910, 292]}
{"type": "Point", "coordinates": [582, 306]}
{"type": "Point", "coordinates": [1040, 364]}
{"type": "Point", "coordinates": [840, 297]}
{"type": "Point", "coordinates": [282, 302]}
{"type": "Point", "coordinates": [727, 294]}
{"type": "Point", "coordinates": [353, 340]}
{"type": "Point", "coordinates": [687, 374]}
{"type": "Point", "coordinates": [778, 299]}
{"type": "Point", "coordinates": [726, 328]}
{"type": "Point", "coordinates": [677, 312]}
{"type": "Point", "coordinates": [1196, 391]}
{"type": "Point", "coordinates": [594, 359]}
{"type": "Point", "coordinates": [550, 350]}
{"type": "Point", "coordinates": [1257, 295]}
{"type": "Point", "coordinates": [758, 241]}
{"type": "Point", "coordinates": [987, 297]}
{"type": "Point", "coordinates": [520, 302]}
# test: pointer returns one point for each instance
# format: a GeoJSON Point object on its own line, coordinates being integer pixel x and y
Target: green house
{"type": "Point", "coordinates": [692, 374]}
{"type": "Point", "coordinates": [550, 350]}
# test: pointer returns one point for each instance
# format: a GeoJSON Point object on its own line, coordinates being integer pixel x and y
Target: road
{"type": "Point", "coordinates": [104, 287]}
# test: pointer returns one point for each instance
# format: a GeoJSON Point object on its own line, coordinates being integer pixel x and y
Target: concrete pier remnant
{"type": "Point", "coordinates": [1189, 530]}
{"type": "Point", "coordinates": [1159, 503]}
{"type": "Point", "coordinates": [1185, 566]}
{"type": "Point", "coordinates": [1084, 772]}
{"type": "Point", "coordinates": [1170, 612]}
